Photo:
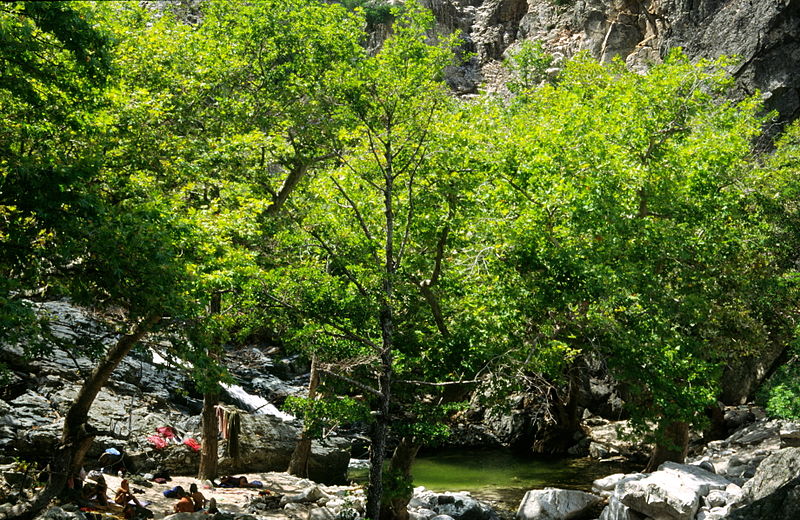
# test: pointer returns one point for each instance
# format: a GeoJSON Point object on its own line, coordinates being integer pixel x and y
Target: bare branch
{"type": "Point", "coordinates": [440, 383]}
{"type": "Point", "coordinates": [353, 382]}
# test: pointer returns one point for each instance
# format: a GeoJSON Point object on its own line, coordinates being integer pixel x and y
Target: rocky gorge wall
{"type": "Point", "coordinates": [142, 395]}
{"type": "Point", "coordinates": [764, 34]}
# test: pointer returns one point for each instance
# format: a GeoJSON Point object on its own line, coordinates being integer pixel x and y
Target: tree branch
{"type": "Point", "coordinates": [353, 382]}
{"type": "Point", "coordinates": [359, 218]}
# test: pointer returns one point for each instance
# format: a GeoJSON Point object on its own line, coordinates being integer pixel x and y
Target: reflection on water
{"type": "Point", "coordinates": [503, 477]}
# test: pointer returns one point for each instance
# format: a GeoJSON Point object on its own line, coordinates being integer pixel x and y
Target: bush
{"type": "Point", "coordinates": [375, 11]}
{"type": "Point", "coordinates": [780, 395]}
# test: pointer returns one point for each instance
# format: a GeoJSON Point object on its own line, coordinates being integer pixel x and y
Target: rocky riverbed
{"type": "Point", "coordinates": [752, 474]}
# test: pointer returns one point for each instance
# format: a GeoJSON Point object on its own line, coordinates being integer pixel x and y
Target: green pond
{"type": "Point", "coordinates": [502, 477]}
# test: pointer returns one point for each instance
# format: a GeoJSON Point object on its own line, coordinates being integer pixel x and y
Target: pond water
{"type": "Point", "coordinates": [502, 477]}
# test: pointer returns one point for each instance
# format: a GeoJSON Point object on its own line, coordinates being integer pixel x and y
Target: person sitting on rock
{"type": "Point", "coordinates": [124, 495]}
{"type": "Point", "coordinates": [185, 504]}
{"type": "Point", "coordinates": [94, 495]}
{"type": "Point", "coordinates": [101, 492]}
{"type": "Point", "coordinates": [197, 497]}
{"type": "Point", "coordinates": [212, 506]}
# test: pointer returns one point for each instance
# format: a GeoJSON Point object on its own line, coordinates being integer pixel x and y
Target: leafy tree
{"type": "Point", "coordinates": [234, 114]}
{"type": "Point", "coordinates": [778, 186]}
{"type": "Point", "coordinates": [635, 235]}
{"type": "Point", "coordinates": [370, 270]}
{"type": "Point", "coordinates": [528, 65]}
{"type": "Point", "coordinates": [52, 64]}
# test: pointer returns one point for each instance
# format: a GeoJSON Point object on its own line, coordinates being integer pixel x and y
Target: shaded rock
{"type": "Point", "coordinates": [782, 504]}
{"type": "Point", "coordinates": [556, 504]}
{"type": "Point", "coordinates": [775, 471]}
{"type": "Point", "coordinates": [608, 440]}
{"type": "Point", "coordinates": [263, 503]}
{"type": "Point", "coordinates": [321, 513]}
{"type": "Point", "coordinates": [57, 513]}
{"type": "Point", "coordinates": [310, 494]}
{"type": "Point", "coordinates": [199, 515]}
{"type": "Point", "coordinates": [790, 434]}
{"type": "Point", "coordinates": [421, 514]}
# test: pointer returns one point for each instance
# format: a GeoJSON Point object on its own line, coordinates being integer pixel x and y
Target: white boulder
{"type": "Point", "coordinates": [555, 504]}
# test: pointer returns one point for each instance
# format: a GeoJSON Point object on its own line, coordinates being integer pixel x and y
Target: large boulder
{"type": "Point", "coordinates": [459, 506]}
{"type": "Point", "coordinates": [556, 504]}
{"type": "Point", "coordinates": [774, 472]}
{"type": "Point", "coordinates": [782, 504]}
{"type": "Point", "coordinates": [266, 443]}
{"type": "Point", "coordinates": [673, 492]}
{"type": "Point", "coordinates": [616, 510]}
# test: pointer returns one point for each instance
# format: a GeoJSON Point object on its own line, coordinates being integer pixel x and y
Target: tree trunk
{"type": "Point", "coordinates": [377, 451]}
{"type": "Point", "coordinates": [209, 453]}
{"type": "Point", "coordinates": [673, 445]}
{"type": "Point", "coordinates": [298, 465]}
{"type": "Point", "coordinates": [395, 506]}
{"type": "Point", "coordinates": [77, 435]}
{"type": "Point", "coordinates": [380, 429]}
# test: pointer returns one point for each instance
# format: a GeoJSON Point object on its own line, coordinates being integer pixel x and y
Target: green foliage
{"type": "Point", "coordinates": [325, 414]}
{"type": "Point", "coordinates": [375, 11]}
{"type": "Point", "coordinates": [397, 485]}
{"type": "Point", "coordinates": [528, 65]}
{"type": "Point", "coordinates": [636, 229]}
{"type": "Point", "coordinates": [781, 394]}
{"type": "Point", "coordinates": [53, 60]}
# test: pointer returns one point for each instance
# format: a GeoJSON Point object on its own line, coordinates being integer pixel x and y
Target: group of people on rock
{"type": "Point", "coordinates": [94, 495]}
{"type": "Point", "coordinates": [192, 501]}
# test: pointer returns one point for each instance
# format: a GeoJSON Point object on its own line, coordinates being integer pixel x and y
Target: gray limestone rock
{"type": "Point", "coordinates": [775, 471]}
{"type": "Point", "coordinates": [673, 492]}
{"type": "Point", "coordinates": [616, 510]}
{"type": "Point", "coordinates": [459, 506]}
{"type": "Point", "coordinates": [782, 504]}
{"type": "Point", "coordinates": [556, 504]}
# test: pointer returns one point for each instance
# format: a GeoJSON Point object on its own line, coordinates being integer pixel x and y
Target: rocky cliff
{"type": "Point", "coordinates": [764, 34]}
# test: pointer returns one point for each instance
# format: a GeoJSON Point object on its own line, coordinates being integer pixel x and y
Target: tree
{"type": "Point", "coordinates": [369, 269]}
{"type": "Point", "coordinates": [234, 114]}
{"type": "Point", "coordinates": [52, 64]}
{"type": "Point", "coordinates": [635, 235]}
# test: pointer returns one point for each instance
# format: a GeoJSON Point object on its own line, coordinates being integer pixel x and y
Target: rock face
{"type": "Point", "coordinates": [142, 395]}
{"type": "Point", "coordinates": [556, 504]}
{"type": "Point", "coordinates": [764, 33]}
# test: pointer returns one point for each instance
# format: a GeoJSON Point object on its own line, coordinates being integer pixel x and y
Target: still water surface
{"type": "Point", "coordinates": [503, 477]}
